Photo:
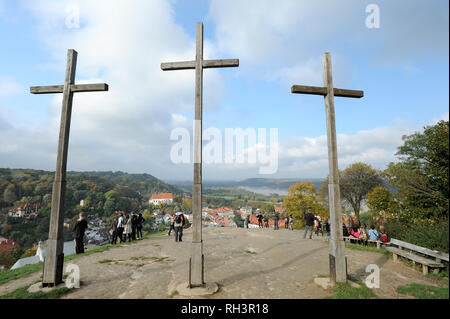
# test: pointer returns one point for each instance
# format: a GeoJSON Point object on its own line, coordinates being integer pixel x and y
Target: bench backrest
{"type": "Point", "coordinates": [419, 249]}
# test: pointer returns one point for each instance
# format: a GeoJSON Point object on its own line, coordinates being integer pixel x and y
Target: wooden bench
{"type": "Point", "coordinates": [369, 241]}
{"type": "Point", "coordinates": [425, 262]}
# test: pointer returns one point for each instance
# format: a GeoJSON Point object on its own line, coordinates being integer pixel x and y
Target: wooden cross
{"type": "Point", "coordinates": [338, 263]}
{"type": "Point", "coordinates": [54, 256]}
{"type": "Point", "coordinates": [196, 268]}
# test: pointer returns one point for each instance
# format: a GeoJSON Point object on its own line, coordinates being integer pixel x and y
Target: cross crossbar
{"type": "Point", "coordinates": [319, 90]}
{"type": "Point", "coordinates": [73, 88]}
{"type": "Point", "coordinates": [207, 64]}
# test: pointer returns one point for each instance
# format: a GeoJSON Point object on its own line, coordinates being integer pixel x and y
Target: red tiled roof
{"type": "Point", "coordinates": [162, 196]}
{"type": "Point", "coordinates": [6, 244]}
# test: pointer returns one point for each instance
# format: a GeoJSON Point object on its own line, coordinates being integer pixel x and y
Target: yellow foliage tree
{"type": "Point", "coordinates": [146, 214]}
{"type": "Point", "coordinates": [300, 198]}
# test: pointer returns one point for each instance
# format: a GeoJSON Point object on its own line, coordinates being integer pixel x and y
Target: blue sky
{"type": "Point", "coordinates": [401, 66]}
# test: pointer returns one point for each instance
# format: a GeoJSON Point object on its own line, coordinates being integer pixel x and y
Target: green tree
{"type": "Point", "coordinates": [421, 175]}
{"type": "Point", "coordinates": [9, 195]}
{"type": "Point", "coordinates": [355, 183]}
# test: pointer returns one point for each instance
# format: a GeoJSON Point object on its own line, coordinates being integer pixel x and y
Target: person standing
{"type": "Point", "coordinates": [246, 221]}
{"type": "Point", "coordinates": [114, 231]}
{"type": "Point", "coordinates": [286, 222]}
{"type": "Point", "coordinates": [266, 220]}
{"type": "Point", "coordinates": [178, 225]}
{"type": "Point", "coordinates": [120, 226]}
{"type": "Point", "coordinates": [127, 229]}
{"type": "Point", "coordinates": [171, 226]}
{"type": "Point", "coordinates": [327, 227]}
{"type": "Point", "coordinates": [276, 219]}
{"type": "Point", "coordinates": [79, 229]}
{"type": "Point", "coordinates": [291, 222]}
{"type": "Point", "coordinates": [133, 225]}
{"type": "Point", "coordinates": [139, 226]}
{"type": "Point", "coordinates": [260, 219]}
{"type": "Point", "coordinates": [309, 219]}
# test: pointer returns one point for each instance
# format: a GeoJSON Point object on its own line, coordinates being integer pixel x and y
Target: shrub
{"type": "Point", "coordinates": [432, 236]}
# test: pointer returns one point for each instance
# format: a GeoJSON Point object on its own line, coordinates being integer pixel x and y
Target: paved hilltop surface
{"type": "Point", "coordinates": [245, 263]}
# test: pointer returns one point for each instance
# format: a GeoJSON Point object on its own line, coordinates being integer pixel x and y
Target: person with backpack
{"type": "Point", "coordinates": [140, 225]}
{"type": "Point", "coordinates": [266, 220]}
{"type": "Point", "coordinates": [260, 220]}
{"type": "Point", "coordinates": [178, 225]}
{"type": "Point", "coordinates": [309, 219]}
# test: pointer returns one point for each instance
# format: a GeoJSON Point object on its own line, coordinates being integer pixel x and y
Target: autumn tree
{"type": "Point", "coordinates": [382, 204]}
{"type": "Point", "coordinates": [300, 198]}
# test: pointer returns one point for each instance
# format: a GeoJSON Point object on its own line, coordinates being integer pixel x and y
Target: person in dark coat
{"type": "Point", "coordinates": [309, 218]}
{"type": "Point", "coordinates": [78, 231]}
{"type": "Point", "coordinates": [345, 232]}
{"type": "Point", "coordinates": [134, 223]}
{"type": "Point", "coordinates": [260, 219]}
{"type": "Point", "coordinates": [178, 225]}
{"type": "Point", "coordinates": [114, 231]}
{"type": "Point", "coordinates": [140, 224]}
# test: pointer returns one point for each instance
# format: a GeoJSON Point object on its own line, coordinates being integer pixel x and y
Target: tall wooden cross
{"type": "Point", "coordinates": [196, 264]}
{"type": "Point", "coordinates": [338, 263]}
{"type": "Point", "coordinates": [54, 256]}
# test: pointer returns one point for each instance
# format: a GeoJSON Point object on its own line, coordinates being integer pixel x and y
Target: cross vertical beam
{"type": "Point", "coordinates": [196, 264]}
{"type": "Point", "coordinates": [54, 254]}
{"type": "Point", "coordinates": [338, 271]}
{"type": "Point", "coordinates": [338, 263]}
{"type": "Point", "coordinates": [197, 271]}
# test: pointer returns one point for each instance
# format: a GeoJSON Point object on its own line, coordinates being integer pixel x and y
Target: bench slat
{"type": "Point", "coordinates": [419, 249]}
{"type": "Point", "coordinates": [418, 259]}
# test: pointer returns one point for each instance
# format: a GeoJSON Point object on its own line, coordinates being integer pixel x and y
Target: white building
{"type": "Point", "coordinates": [161, 198]}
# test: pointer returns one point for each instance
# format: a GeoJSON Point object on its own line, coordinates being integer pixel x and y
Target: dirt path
{"type": "Point", "coordinates": [246, 263]}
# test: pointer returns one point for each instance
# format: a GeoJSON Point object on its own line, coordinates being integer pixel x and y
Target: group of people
{"type": "Point", "coordinates": [362, 234]}
{"type": "Point", "coordinates": [314, 223]}
{"type": "Point", "coordinates": [176, 224]}
{"type": "Point", "coordinates": [263, 221]}
{"type": "Point", "coordinates": [126, 226]}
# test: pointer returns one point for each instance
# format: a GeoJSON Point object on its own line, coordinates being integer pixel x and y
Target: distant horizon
{"type": "Point", "coordinates": [170, 180]}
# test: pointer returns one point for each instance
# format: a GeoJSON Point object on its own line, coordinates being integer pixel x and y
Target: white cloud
{"type": "Point", "coordinates": [9, 86]}
{"type": "Point", "coordinates": [121, 43]}
{"type": "Point", "coordinates": [273, 36]}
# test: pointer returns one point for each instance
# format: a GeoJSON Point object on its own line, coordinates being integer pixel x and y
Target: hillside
{"type": "Point", "coordinates": [102, 193]}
